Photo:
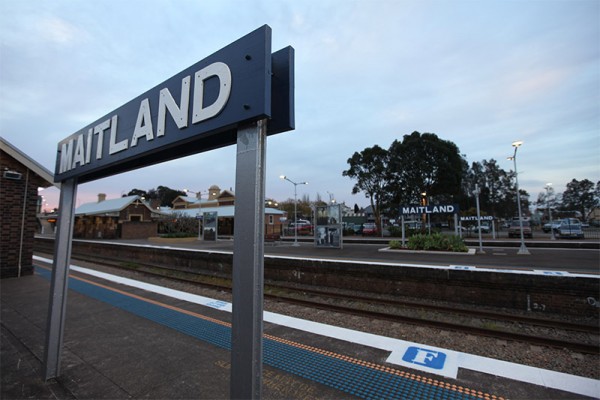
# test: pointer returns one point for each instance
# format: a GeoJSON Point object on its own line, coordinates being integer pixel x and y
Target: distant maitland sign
{"type": "Point", "coordinates": [196, 110]}
{"type": "Point", "coordinates": [430, 209]}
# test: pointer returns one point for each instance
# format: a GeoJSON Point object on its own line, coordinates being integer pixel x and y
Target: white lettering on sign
{"type": "Point", "coordinates": [143, 125]}
{"type": "Point", "coordinates": [431, 209]}
{"type": "Point", "coordinates": [179, 114]}
{"type": "Point", "coordinates": [115, 147]}
{"type": "Point", "coordinates": [78, 152]}
{"type": "Point", "coordinates": [220, 70]}
{"type": "Point", "coordinates": [424, 356]}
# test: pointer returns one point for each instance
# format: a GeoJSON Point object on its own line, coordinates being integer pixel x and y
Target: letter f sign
{"type": "Point", "coordinates": [428, 358]}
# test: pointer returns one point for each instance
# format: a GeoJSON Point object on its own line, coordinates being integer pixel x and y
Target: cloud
{"type": "Point", "coordinates": [59, 31]}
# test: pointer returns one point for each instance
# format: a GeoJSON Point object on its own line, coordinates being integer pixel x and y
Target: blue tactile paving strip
{"type": "Point", "coordinates": [352, 376]}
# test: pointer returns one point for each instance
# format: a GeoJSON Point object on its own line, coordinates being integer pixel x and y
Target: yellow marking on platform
{"type": "Point", "coordinates": [317, 350]}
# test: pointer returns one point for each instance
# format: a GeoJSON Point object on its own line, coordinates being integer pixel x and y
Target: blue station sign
{"type": "Point", "coordinates": [196, 110]}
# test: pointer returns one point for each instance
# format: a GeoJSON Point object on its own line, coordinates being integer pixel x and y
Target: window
{"type": "Point", "coordinates": [135, 218]}
{"type": "Point", "coordinates": [270, 220]}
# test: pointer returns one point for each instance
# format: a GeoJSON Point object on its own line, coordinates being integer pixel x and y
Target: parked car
{"type": "Point", "coordinates": [369, 229]}
{"type": "Point", "coordinates": [302, 226]}
{"type": "Point", "coordinates": [515, 229]}
{"type": "Point", "coordinates": [551, 226]}
{"type": "Point", "coordinates": [484, 229]}
{"type": "Point", "coordinates": [570, 228]}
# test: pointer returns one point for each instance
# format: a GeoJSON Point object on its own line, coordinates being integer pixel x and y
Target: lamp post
{"type": "Point", "coordinates": [426, 219]}
{"type": "Point", "coordinates": [548, 188]}
{"type": "Point", "coordinates": [476, 192]}
{"type": "Point", "coordinates": [523, 249]}
{"type": "Point", "coordinates": [295, 206]}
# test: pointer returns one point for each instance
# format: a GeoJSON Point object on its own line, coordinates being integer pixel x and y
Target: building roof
{"type": "Point", "coordinates": [223, 211]}
{"type": "Point", "coordinates": [107, 206]}
{"type": "Point", "coordinates": [28, 162]}
{"type": "Point", "coordinates": [192, 200]}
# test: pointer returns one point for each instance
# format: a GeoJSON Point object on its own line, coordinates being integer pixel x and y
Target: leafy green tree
{"type": "Point", "coordinates": [137, 192]}
{"type": "Point", "coordinates": [369, 169]}
{"type": "Point", "coordinates": [497, 189]}
{"type": "Point", "coordinates": [166, 195]}
{"type": "Point", "coordinates": [547, 201]}
{"type": "Point", "coordinates": [303, 207]}
{"type": "Point", "coordinates": [580, 196]}
{"type": "Point", "coordinates": [424, 163]}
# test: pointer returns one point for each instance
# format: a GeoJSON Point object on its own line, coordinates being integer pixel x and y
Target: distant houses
{"type": "Point", "coordinates": [132, 217]}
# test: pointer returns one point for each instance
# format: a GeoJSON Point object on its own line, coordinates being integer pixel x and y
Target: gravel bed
{"type": "Point", "coordinates": [561, 360]}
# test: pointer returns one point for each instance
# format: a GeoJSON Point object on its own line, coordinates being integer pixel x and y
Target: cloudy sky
{"type": "Point", "coordinates": [479, 73]}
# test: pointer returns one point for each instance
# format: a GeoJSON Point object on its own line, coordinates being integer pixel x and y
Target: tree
{"type": "Point", "coordinates": [369, 169]}
{"type": "Point", "coordinates": [423, 163]}
{"type": "Point", "coordinates": [164, 194]}
{"type": "Point", "coordinates": [497, 188]}
{"type": "Point", "coordinates": [137, 192]}
{"type": "Point", "coordinates": [580, 196]}
{"type": "Point", "coordinates": [546, 201]}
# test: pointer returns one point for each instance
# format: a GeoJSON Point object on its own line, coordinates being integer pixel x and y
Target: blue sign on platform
{"type": "Point", "coordinates": [429, 358]}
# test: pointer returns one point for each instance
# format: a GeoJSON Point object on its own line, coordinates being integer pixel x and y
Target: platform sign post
{"type": "Point", "coordinates": [225, 99]}
{"type": "Point", "coordinates": [58, 290]}
{"type": "Point", "coordinates": [248, 264]}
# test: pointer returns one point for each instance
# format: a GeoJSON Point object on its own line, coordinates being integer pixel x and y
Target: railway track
{"type": "Point", "coordinates": [367, 306]}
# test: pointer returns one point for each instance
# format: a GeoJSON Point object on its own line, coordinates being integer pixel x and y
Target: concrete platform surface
{"type": "Point", "coordinates": [125, 342]}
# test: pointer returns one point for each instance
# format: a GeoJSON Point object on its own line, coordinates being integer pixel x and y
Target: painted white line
{"type": "Point", "coordinates": [426, 358]}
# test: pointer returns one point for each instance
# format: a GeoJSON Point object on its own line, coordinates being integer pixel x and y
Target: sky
{"type": "Point", "coordinates": [481, 74]}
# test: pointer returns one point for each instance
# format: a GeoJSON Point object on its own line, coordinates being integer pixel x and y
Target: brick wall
{"type": "Point", "coordinates": [139, 230]}
{"type": "Point", "coordinates": [15, 256]}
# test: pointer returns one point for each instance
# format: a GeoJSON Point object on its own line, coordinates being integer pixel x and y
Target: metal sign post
{"type": "Point", "coordinates": [55, 323]}
{"type": "Point", "coordinates": [221, 100]}
{"type": "Point", "coordinates": [248, 264]}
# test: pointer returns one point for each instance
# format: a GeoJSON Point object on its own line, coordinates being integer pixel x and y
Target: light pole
{"type": "Point", "coordinates": [523, 248]}
{"type": "Point", "coordinates": [548, 188]}
{"type": "Point", "coordinates": [476, 192]}
{"type": "Point", "coordinates": [295, 206]}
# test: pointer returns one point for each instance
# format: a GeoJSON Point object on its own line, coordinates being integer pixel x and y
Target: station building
{"type": "Point", "coordinates": [132, 217]}
{"type": "Point", "coordinates": [223, 203]}
{"type": "Point", "coordinates": [123, 218]}
{"type": "Point", "coordinates": [20, 179]}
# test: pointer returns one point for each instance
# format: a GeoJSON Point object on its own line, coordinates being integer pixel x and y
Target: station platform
{"type": "Point", "coordinates": [124, 340]}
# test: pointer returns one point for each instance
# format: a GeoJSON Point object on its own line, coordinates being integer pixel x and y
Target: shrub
{"type": "Point", "coordinates": [437, 241]}
{"type": "Point", "coordinates": [395, 244]}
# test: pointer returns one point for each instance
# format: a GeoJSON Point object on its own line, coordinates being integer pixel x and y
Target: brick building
{"type": "Point", "coordinates": [20, 178]}
{"type": "Point", "coordinates": [123, 218]}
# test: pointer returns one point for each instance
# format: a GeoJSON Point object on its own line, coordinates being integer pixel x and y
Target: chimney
{"type": "Point", "coordinates": [101, 197]}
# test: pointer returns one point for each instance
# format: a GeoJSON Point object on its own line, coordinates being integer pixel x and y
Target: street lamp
{"type": "Point", "coordinates": [523, 248]}
{"type": "Point", "coordinates": [548, 188]}
{"type": "Point", "coordinates": [426, 219]}
{"type": "Point", "coordinates": [295, 206]}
